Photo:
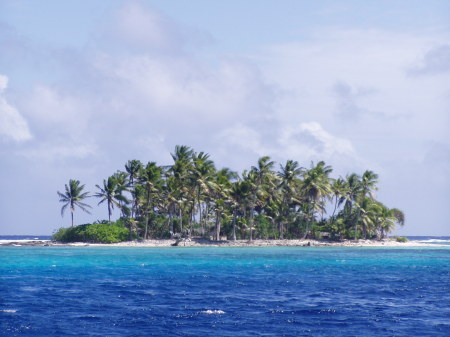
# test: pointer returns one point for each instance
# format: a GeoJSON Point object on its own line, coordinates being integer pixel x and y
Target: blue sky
{"type": "Point", "coordinates": [87, 85]}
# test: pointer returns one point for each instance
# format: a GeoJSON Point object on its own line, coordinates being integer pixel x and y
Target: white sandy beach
{"type": "Point", "coordinates": [197, 242]}
{"type": "Point", "coordinates": [259, 243]}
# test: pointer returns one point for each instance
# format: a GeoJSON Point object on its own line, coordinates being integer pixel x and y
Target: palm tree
{"type": "Point", "coordinates": [368, 183]}
{"type": "Point", "coordinates": [169, 194]}
{"type": "Point", "coordinates": [133, 167]}
{"type": "Point", "coordinates": [258, 175]}
{"type": "Point", "coordinates": [315, 187]}
{"type": "Point", "coordinates": [201, 180]}
{"type": "Point", "coordinates": [112, 194]}
{"type": "Point", "coordinates": [221, 189]}
{"type": "Point", "coordinates": [289, 175]}
{"type": "Point", "coordinates": [182, 158]}
{"type": "Point", "coordinates": [122, 185]}
{"type": "Point", "coordinates": [339, 189]}
{"type": "Point", "coordinates": [72, 197]}
{"type": "Point", "coordinates": [235, 194]}
{"type": "Point", "coordinates": [150, 180]}
{"type": "Point", "coordinates": [387, 219]}
{"type": "Point", "coordinates": [351, 196]}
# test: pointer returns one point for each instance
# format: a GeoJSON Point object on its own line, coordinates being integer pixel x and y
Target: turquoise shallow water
{"type": "Point", "coordinates": [273, 291]}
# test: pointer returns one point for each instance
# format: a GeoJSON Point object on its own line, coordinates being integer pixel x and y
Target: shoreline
{"type": "Point", "coordinates": [198, 242]}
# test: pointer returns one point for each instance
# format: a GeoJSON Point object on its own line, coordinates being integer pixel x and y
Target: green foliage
{"type": "Point", "coordinates": [401, 239]}
{"type": "Point", "coordinates": [192, 197]}
{"type": "Point", "coordinates": [265, 228]}
{"type": "Point", "coordinates": [73, 196]}
{"type": "Point", "coordinates": [95, 233]}
{"type": "Point", "coordinates": [71, 234]}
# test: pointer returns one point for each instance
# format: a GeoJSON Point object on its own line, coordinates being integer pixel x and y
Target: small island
{"type": "Point", "coordinates": [192, 202]}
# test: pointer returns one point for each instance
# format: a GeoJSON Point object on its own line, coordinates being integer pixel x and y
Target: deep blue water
{"type": "Point", "coordinates": [274, 291]}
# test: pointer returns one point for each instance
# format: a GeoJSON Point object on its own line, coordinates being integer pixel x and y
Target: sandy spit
{"type": "Point", "coordinates": [259, 243]}
{"type": "Point", "coordinates": [197, 242]}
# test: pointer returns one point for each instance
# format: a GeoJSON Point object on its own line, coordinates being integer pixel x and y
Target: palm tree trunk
{"type": "Point", "coordinates": [147, 211]}
{"type": "Point", "coordinates": [280, 229]}
{"type": "Point", "coordinates": [71, 213]}
{"type": "Point", "coordinates": [252, 211]}
{"type": "Point", "coordinates": [170, 220]}
{"type": "Point", "coordinates": [335, 207]}
{"type": "Point", "coordinates": [202, 231]}
{"type": "Point", "coordinates": [146, 227]}
{"type": "Point", "coordinates": [217, 226]}
{"type": "Point", "coordinates": [191, 211]}
{"type": "Point", "coordinates": [356, 221]}
{"type": "Point", "coordinates": [280, 222]}
{"type": "Point", "coordinates": [234, 224]}
{"type": "Point", "coordinates": [130, 222]}
{"type": "Point", "coordinates": [243, 232]}
{"type": "Point", "coordinates": [311, 215]}
{"type": "Point", "coordinates": [180, 218]}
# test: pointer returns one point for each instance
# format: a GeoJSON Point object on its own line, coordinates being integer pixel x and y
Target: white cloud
{"type": "Point", "coordinates": [141, 27]}
{"type": "Point", "coordinates": [3, 83]}
{"type": "Point", "coordinates": [243, 137]}
{"type": "Point", "coordinates": [182, 87]}
{"type": "Point", "coordinates": [435, 61]}
{"type": "Point", "coordinates": [311, 141]}
{"type": "Point", "coordinates": [302, 142]}
{"type": "Point", "coordinates": [58, 152]}
{"type": "Point", "coordinates": [375, 91]}
{"type": "Point", "coordinates": [13, 125]}
{"type": "Point", "coordinates": [57, 112]}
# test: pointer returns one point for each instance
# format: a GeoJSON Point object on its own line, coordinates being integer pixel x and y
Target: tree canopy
{"type": "Point", "coordinates": [191, 197]}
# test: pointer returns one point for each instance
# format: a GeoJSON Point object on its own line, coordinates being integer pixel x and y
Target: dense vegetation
{"type": "Point", "coordinates": [193, 198]}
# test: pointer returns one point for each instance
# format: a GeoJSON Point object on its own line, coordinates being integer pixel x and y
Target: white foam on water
{"type": "Point", "coordinates": [434, 241]}
{"type": "Point", "coordinates": [22, 241]}
{"type": "Point", "coordinates": [28, 288]}
{"type": "Point", "coordinates": [212, 312]}
{"type": "Point", "coordinates": [9, 310]}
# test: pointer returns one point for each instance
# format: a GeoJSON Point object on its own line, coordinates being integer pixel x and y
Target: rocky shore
{"type": "Point", "coordinates": [199, 242]}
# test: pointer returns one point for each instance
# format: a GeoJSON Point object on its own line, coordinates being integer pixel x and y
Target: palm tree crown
{"type": "Point", "coordinates": [111, 192]}
{"type": "Point", "coordinates": [73, 196]}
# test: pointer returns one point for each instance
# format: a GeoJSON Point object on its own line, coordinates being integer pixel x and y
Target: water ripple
{"type": "Point", "coordinates": [226, 292]}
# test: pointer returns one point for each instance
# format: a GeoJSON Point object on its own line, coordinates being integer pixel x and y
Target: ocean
{"type": "Point", "coordinates": [229, 291]}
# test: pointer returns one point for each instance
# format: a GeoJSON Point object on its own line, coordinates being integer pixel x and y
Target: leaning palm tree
{"type": "Point", "coordinates": [339, 190]}
{"type": "Point", "coordinates": [387, 218]}
{"type": "Point", "coordinates": [72, 197]}
{"type": "Point", "coordinates": [368, 184]}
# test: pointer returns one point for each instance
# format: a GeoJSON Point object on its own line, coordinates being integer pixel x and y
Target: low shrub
{"type": "Point", "coordinates": [104, 233]}
{"type": "Point", "coordinates": [95, 233]}
{"type": "Point", "coordinates": [70, 234]}
{"type": "Point", "coordinates": [401, 239]}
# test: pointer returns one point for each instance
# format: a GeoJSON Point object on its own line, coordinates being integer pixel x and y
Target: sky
{"type": "Point", "coordinates": [86, 86]}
